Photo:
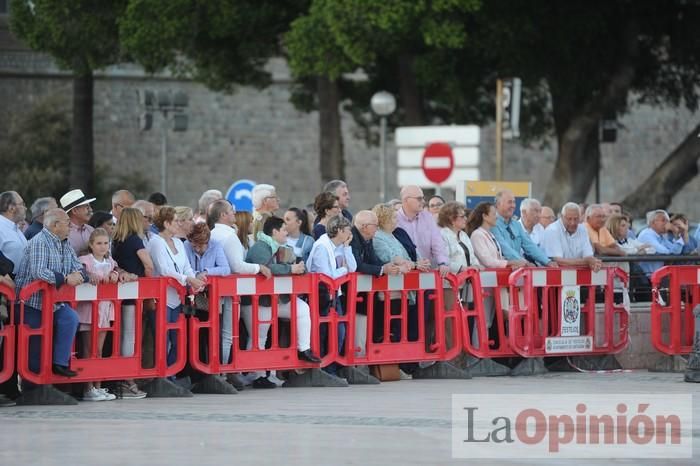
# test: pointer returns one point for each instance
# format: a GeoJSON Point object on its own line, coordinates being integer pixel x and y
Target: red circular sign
{"type": "Point", "coordinates": [438, 162]}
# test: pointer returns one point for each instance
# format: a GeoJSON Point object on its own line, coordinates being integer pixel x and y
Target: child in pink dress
{"type": "Point", "coordinates": [102, 269]}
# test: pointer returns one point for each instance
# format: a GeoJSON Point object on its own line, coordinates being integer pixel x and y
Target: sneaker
{"type": "Point", "coordinates": [262, 382]}
{"type": "Point", "coordinates": [94, 395]}
{"type": "Point", "coordinates": [131, 392]}
{"type": "Point", "coordinates": [405, 376]}
{"type": "Point", "coordinates": [110, 396]}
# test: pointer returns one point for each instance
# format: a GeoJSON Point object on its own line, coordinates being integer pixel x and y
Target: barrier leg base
{"type": "Point", "coordinates": [692, 373]}
{"type": "Point", "coordinates": [485, 367]}
{"type": "Point", "coordinates": [606, 362]}
{"type": "Point", "coordinates": [674, 363]}
{"type": "Point", "coordinates": [214, 385]}
{"type": "Point", "coordinates": [441, 370]}
{"type": "Point", "coordinates": [314, 378]}
{"type": "Point", "coordinates": [236, 380]}
{"type": "Point", "coordinates": [45, 395]}
{"type": "Point", "coordinates": [164, 388]}
{"type": "Point", "coordinates": [359, 375]}
{"type": "Point", "coordinates": [559, 364]}
{"type": "Point", "coordinates": [529, 366]}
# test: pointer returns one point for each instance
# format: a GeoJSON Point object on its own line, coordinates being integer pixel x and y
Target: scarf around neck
{"type": "Point", "coordinates": [274, 245]}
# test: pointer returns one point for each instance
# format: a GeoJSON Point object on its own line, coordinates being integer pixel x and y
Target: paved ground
{"type": "Point", "coordinates": [400, 423]}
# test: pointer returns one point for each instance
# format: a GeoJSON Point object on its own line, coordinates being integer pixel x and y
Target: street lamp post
{"type": "Point", "coordinates": [172, 107]}
{"type": "Point", "coordinates": [383, 104]}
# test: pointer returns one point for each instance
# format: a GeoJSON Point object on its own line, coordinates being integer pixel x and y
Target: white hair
{"type": "Point", "coordinates": [260, 192]}
{"type": "Point", "coordinates": [528, 203]}
{"type": "Point", "coordinates": [651, 215]}
{"type": "Point", "coordinates": [207, 198]}
{"type": "Point", "coordinates": [570, 206]}
{"type": "Point", "coordinates": [591, 208]}
{"type": "Point", "coordinates": [122, 192]}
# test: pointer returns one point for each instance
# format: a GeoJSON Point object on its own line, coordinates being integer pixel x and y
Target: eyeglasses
{"type": "Point", "coordinates": [435, 206]}
{"type": "Point", "coordinates": [273, 197]}
{"type": "Point", "coordinates": [371, 224]}
{"type": "Point", "coordinates": [418, 198]}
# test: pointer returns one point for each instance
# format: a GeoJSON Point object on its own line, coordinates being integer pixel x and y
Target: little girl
{"type": "Point", "coordinates": [102, 269]}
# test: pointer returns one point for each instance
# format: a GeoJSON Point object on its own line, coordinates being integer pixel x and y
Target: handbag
{"type": "Point", "coordinates": [386, 372]}
{"type": "Point", "coordinates": [201, 301]}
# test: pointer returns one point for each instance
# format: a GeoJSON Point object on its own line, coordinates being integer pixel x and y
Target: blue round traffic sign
{"type": "Point", "coordinates": [240, 194]}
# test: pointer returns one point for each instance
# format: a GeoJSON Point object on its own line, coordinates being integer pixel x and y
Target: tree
{"type": "Point", "coordinates": [82, 36]}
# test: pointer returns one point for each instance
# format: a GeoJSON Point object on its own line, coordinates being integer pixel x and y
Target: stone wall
{"type": "Point", "coordinates": [259, 135]}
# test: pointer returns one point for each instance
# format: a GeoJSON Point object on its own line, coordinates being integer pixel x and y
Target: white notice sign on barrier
{"type": "Point", "coordinates": [554, 345]}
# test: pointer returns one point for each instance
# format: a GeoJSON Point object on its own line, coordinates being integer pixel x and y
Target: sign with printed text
{"type": "Point", "coordinates": [570, 306]}
{"type": "Point", "coordinates": [472, 192]}
{"type": "Point", "coordinates": [558, 345]}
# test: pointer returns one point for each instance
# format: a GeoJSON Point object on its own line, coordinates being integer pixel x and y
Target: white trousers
{"type": "Point", "coordinates": [284, 311]}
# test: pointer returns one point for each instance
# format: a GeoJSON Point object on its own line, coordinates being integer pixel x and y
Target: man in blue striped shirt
{"type": "Point", "coordinates": [50, 258]}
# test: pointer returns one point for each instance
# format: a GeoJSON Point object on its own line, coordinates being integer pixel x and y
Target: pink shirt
{"type": "Point", "coordinates": [425, 234]}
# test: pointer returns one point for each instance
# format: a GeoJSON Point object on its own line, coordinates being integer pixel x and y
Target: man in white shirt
{"type": "Point", "coordinates": [530, 210]}
{"type": "Point", "coordinates": [12, 240]}
{"type": "Point", "coordinates": [222, 220]}
{"type": "Point", "coordinates": [567, 242]}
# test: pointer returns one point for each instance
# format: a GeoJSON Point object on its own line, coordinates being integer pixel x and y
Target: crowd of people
{"type": "Point", "coordinates": [65, 243]}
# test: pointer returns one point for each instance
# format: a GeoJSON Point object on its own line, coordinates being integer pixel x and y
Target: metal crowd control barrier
{"type": "Point", "coordinates": [7, 334]}
{"type": "Point", "coordinates": [487, 300]}
{"type": "Point", "coordinates": [253, 287]}
{"type": "Point", "coordinates": [558, 316]}
{"type": "Point", "coordinates": [96, 367]}
{"type": "Point", "coordinates": [675, 293]}
{"type": "Point", "coordinates": [406, 319]}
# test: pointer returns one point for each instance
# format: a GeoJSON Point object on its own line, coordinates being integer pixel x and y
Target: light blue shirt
{"type": "Point", "coordinates": [213, 261]}
{"type": "Point", "coordinates": [661, 245]}
{"type": "Point", "coordinates": [513, 238]}
{"type": "Point", "coordinates": [12, 241]}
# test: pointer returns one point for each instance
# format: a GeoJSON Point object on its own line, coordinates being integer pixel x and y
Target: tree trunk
{"type": "Point", "coordinates": [82, 161]}
{"type": "Point", "coordinates": [657, 191]}
{"type": "Point", "coordinates": [331, 137]}
{"type": "Point", "coordinates": [409, 93]}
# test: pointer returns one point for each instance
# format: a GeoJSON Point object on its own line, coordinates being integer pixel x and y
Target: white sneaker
{"type": "Point", "coordinates": [425, 364]}
{"type": "Point", "coordinates": [110, 396]}
{"type": "Point", "coordinates": [94, 395]}
{"type": "Point", "coordinates": [405, 376]}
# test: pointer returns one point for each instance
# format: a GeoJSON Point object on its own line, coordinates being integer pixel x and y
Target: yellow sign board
{"type": "Point", "coordinates": [474, 192]}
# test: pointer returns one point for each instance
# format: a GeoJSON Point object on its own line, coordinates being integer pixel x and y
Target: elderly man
{"type": "Point", "coordinates": [362, 248]}
{"type": "Point", "coordinates": [77, 206]}
{"type": "Point", "coordinates": [547, 216]}
{"type": "Point", "coordinates": [423, 231]}
{"type": "Point", "coordinates": [567, 242]}
{"type": "Point", "coordinates": [50, 258]}
{"type": "Point", "coordinates": [340, 189]}
{"type": "Point", "coordinates": [511, 236]}
{"type": "Point", "coordinates": [120, 200]}
{"type": "Point", "coordinates": [205, 200]}
{"type": "Point", "coordinates": [12, 240]}
{"type": "Point", "coordinates": [37, 210]}
{"type": "Point", "coordinates": [530, 211]}
{"type": "Point", "coordinates": [655, 235]}
{"type": "Point", "coordinates": [602, 240]}
{"type": "Point", "coordinates": [265, 203]}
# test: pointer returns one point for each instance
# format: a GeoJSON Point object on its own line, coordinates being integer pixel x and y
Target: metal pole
{"type": "Point", "coordinates": [164, 158]}
{"type": "Point", "coordinates": [499, 130]}
{"type": "Point", "coordinates": [382, 160]}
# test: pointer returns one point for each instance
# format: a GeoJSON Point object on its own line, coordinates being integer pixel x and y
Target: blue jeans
{"type": "Point", "coordinates": [171, 348]}
{"type": "Point", "coordinates": [65, 326]}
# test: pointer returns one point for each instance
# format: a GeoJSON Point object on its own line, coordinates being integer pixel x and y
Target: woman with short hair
{"type": "Point", "coordinates": [326, 206]}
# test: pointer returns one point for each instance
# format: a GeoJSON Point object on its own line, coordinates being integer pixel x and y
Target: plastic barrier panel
{"type": "Point", "coordinates": [675, 293]}
{"type": "Point", "coordinates": [7, 332]}
{"type": "Point", "coordinates": [400, 318]}
{"type": "Point", "coordinates": [36, 331]}
{"type": "Point", "coordinates": [553, 312]}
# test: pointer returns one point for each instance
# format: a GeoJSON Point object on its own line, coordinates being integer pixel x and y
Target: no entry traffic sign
{"type": "Point", "coordinates": [438, 162]}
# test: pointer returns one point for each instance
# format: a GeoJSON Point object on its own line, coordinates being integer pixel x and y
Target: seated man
{"type": "Point", "coordinates": [567, 241]}
{"type": "Point", "coordinates": [530, 210]}
{"type": "Point", "coordinates": [49, 257]}
{"type": "Point", "coordinates": [603, 242]}
{"type": "Point", "coordinates": [547, 216]}
{"type": "Point", "coordinates": [655, 235]}
{"type": "Point", "coordinates": [679, 229]}
{"type": "Point", "coordinates": [514, 242]}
